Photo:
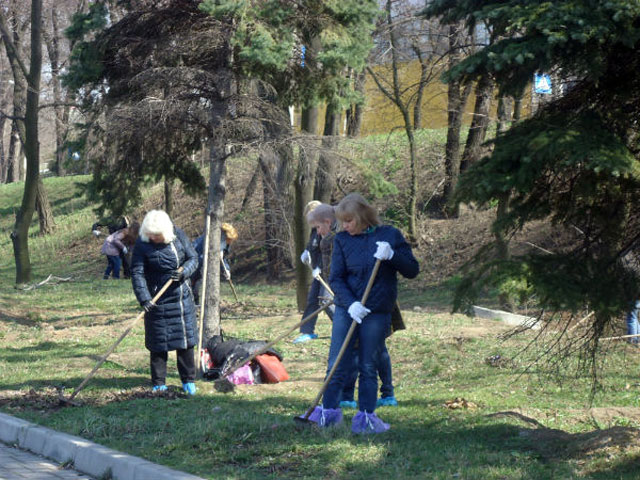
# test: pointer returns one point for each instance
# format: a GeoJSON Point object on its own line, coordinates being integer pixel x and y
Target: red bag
{"type": "Point", "coordinates": [271, 368]}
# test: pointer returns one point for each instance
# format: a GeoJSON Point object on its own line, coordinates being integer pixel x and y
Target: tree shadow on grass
{"type": "Point", "coordinates": [240, 436]}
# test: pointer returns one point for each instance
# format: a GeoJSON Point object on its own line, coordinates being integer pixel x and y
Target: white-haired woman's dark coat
{"type": "Point", "coordinates": [171, 324]}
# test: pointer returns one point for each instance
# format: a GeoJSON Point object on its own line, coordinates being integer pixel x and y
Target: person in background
{"type": "Point", "coordinates": [113, 247]}
{"type": "Point", "coordinates": [632, 322]}
{"type": "Point", "coordinates": [312, 257]}
{"type": "Point", "coordinates": [170, 324]}
{"type": "Point", "coordinates": [356, 249]}
{"type": "Point", "coordinates": [130, 236]}
{"type": "Point", "coordinates": [228, 235]}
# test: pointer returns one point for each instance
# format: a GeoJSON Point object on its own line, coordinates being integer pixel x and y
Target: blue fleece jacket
{"type": "Point", "coordinates": [352, 263]}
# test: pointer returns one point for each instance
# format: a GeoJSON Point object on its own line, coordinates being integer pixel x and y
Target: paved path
{"type": "Point", "coordinates": [16, 464]}
{"type": "Point", "coordinates": [87, 457]}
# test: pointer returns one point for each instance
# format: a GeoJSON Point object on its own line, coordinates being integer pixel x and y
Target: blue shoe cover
{"type": "Point", "coordinates": [159, 388]}
{"type": "Point", "coordinates": [189, 388]}
{"type": "Point", "coordinates": [305, 337]}
{"type": "Point", "coordinates": [348, 404]}
{"type": "Point", "coordinates": [365, 423]}
{"type": "Point", "coordinates": [325, 417]}
{"type": "Point", "coordinates": [387, 402]}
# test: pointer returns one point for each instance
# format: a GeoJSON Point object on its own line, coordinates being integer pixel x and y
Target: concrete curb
{"type": "Point", "coordinates": [507, 317]}
{"type": "Point", "coordinates": [87, 457]}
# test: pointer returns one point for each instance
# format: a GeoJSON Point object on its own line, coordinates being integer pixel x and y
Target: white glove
{"type": "Point", "coordinates": [96, 233]}
{"type": "Point", "coordinates": [125, 250]}
{"type": "Point", "coordinates": [315, 273]}
{"type": "Point", "coordinates": [384, 251]}
{"type": "Point", "coordinates": [306, 258]}
{"type": "Point", "coordinates": [357, 311]}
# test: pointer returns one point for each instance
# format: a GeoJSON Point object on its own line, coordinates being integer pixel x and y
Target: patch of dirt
{"type": "Point", "coordinates": [609, 415]}
{"type": "Point", "coordinates": [49, 399]}
{"type": "Point", "coordinates": [552, 443]}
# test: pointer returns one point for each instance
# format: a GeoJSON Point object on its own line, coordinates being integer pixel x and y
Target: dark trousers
{"type": "Point", "coordinates": [126, 265]}
{"type": "Point", "coordinates": [313, 303]}
{"type": "Point", "coordinates": [384, 372]}
{"type": "Point", "coordinates": [370, 335]}
{"type": "Point", "coordinates": [113, 265]}
{"type": "Point", "coordinates": [186, 366]}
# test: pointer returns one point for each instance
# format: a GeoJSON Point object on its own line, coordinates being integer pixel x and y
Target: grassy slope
{"type": "Point", "coordinates": [51, 336]}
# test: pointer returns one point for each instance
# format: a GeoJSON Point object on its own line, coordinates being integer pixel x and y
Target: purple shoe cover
{"type": "Point", "coordinates": [326, 417]}
{"type": "Point", "coordinates": [364, 422]}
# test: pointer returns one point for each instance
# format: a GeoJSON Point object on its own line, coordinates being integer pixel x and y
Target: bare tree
{"type": "Point", "coordinates": [402, 37]}
{"type": "Point", "coordinates": [20, 233]}
{"type": "Point", "coordinates": [56, 19]}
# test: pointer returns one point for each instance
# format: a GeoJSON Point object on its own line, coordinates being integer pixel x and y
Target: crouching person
{"type": "Point", "coordinates": [169, 324]}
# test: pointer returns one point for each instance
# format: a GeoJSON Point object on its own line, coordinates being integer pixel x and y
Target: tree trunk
{"type": "Point", "coordinates": [356, 112]}
{"type": "Point", "coordinates": [517, 109]}
{"type": "Point", "coordinates": [168, 196]}
{"type": "Point", "coordinates": [12, 164]}
{"type": "Point", "coordinates": [456, 99]}
{"type": "Point", "coordinates": [273, 243]}
{"type": "Point", "coordinates": [215, 210]}
{"type": "Point", "coordinates": [22, 166]}
{"type": "Point", "coordinates": [424, 72]}
{"type": "Point", "coordinates": [251, 188]}
{"type": "Point", "coordinates": [413, 186]}
{"type": "Point", "coordinates": [502, 247]}
{"type": "Point", "coordinates": [503, 114]}
{"type": "Point", "coordinates": [45, 214]}
{"type": "Point", "coordinates": [53, 50]}
{"type": "Point", "coordinates": [20, 234]}
{"type": "Point", "coordinates": [3, 156]}
{"type": "Point", "coordinates": [325, 178]}
{"type": "Point", "coordinates": [478, 129]}
{"type": "Point", "coordinates": [303, 194]}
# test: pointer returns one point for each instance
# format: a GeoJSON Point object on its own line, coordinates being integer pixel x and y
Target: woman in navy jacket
{"type": "Point", "coordinates": [169, 324]}
{"type": "Point", "coordinates": [355, 251]}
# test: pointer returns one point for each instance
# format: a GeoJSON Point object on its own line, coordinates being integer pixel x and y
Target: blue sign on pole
{"type": "Point", "coordinates": [303, 49]}
{"type": "Point", "coordinates": [542, 83]}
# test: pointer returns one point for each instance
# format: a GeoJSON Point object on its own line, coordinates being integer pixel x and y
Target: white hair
{"type": "Point", "coordinates": [157, 222]}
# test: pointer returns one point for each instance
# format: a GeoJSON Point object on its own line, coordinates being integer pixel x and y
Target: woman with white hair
{"type": "Point", "coordinates": [169, 324]}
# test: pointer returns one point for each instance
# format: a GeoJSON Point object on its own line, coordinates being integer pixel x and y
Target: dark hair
{"type": "Point", "coordinates": [355, 206]}
{"type": "Point", "coordinates": [131, 234]}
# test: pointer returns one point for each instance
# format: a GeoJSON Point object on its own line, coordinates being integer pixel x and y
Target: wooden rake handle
{"type": "Point", "coordinates": [345, 343]}
{"type": "Point", "coordinates": [113, 347]}
{"type": "Point", "coordinates": [325, 285]}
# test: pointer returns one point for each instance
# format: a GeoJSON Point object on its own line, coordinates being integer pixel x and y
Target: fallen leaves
{"type": "Point", "coordinates": [460, 402]}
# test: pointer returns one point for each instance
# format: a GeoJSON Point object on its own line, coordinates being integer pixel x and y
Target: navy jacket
{"type": "Point", "coordinates": [171, 325]}
{"type": "Point", "coordinates": [313, 247]}
{"type": "Point", "coordinates": [352, 263]}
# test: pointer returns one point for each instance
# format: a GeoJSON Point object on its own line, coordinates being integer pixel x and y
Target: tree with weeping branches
{"type": "Point", "coordinates": [575, 164]}
{"type": "Point", "coordinates": [157, 84]}
{"type": "Point", "coordinates": [169, 75]}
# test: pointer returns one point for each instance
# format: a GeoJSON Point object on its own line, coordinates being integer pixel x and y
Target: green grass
{"type": "Point", "coordinates": [51, 336]}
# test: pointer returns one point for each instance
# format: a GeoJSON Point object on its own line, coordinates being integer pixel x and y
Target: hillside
{"type": "Point", "coordinates": [474, 402]}
{"type": "Point", "coordinates": [443, 246]}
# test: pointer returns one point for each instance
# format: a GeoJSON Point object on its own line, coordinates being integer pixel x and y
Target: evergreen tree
{"type": "Point", "coordinates": [574, 163]}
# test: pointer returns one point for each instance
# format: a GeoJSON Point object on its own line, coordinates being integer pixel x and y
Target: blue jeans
{"type": "Point", "coordinates": [370, 335]}
{"type": "Point", "coordinates": [384, 372]}
{"type": "Point", "coordinates": [113, 264]}
{"type": "Point", "coordinates": [632, 322]}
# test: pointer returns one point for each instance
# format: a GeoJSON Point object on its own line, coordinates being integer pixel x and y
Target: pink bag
{"type": "Point", "coordinates": [242, 376]}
